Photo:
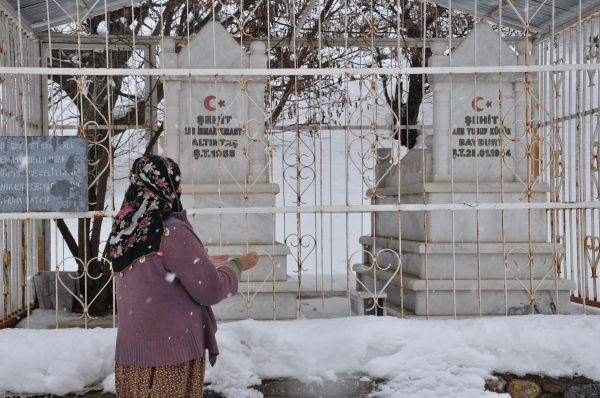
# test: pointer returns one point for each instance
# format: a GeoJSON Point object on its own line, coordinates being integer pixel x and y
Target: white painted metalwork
{"type": "Point", "coordinates": [21, 241]}
{"type": "Point", "coordinates": [337, 78]}
{"type": "Point", "coordinates": [215, 74]}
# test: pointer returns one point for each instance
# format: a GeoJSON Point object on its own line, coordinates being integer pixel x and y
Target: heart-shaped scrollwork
{"type": "Point", "coordinates": [374, 264]}
{"type": "Point", "coordinates": [82, 299]}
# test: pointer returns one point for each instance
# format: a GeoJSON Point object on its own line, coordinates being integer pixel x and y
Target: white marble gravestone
{"type": "Point", "coordinates": [214, 129]}
{"type": "Point", "coordinates": [472, 127]}
{"type": "Point", "coordinates": [489, 262]}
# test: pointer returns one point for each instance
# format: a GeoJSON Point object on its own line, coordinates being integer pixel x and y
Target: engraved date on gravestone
{"type": "Point", "coordinates": [213, 136]}
{"type": "Point", "coordinates": [479, 136]}
{"type": "Point", "coordinates": [43, 174]}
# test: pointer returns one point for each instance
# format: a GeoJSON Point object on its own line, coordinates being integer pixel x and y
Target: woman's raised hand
{"type": "Point", "coordinates": [249, 260]}
{"type": "Point", "coordinates": [219, 260]}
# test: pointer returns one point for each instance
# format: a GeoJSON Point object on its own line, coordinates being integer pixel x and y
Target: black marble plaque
{"type": "Point", "coordinates": [57, 174]}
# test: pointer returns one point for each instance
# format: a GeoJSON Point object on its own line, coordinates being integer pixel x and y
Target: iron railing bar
{"type": "Point", "coordinates": [324, 209]}
{"type": "Point", "coordinates": [252, 72]}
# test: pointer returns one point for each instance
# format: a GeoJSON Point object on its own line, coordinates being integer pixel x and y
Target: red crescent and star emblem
{"type": "Point", "coordinates": [208, 103]}
{"type": "Point", "coordinates": [475, 104]}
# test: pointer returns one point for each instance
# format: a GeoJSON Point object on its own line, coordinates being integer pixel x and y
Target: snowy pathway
{"type": "Point", "coordinates": [449, 358]}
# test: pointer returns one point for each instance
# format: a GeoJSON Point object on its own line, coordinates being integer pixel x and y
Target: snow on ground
{"type": "Point", "coordinates": [419, 358]}
{"type": "Point", "coordinates": [55, 361]}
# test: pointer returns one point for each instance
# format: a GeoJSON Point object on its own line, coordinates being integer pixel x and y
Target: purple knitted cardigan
{"type": "Point", "coordinates": [164, 302]}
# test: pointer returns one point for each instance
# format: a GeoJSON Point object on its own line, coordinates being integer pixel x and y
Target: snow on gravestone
{"type": "Point", "coordinates": [479, 107]}
{"type": "Point", "coordinates": [57, 174]}
{"type": "Point", "coordinates": [211, 113]}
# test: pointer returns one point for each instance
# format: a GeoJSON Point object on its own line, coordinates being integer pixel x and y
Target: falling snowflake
{"type": "Point", "coordinates": [148, 300]}
{"type": "Point", "coordinates": [196, 260]}
{"type": "Point", "coordinates": [170, 277]}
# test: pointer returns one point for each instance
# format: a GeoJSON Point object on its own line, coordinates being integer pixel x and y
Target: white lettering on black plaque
{"type": "Point", "coordinates": [57, 169]}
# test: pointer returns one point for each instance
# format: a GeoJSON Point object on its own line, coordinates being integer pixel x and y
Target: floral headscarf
{"type": "Point", "coordinates": [153, 194]}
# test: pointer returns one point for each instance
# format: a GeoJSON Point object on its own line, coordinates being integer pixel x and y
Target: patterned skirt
{"type": "Point", "coordinates": [185, 380]}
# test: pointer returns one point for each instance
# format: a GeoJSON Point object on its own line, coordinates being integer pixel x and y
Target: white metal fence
{"type": "Point", "coordinates": [357, 222]}
{"type": "Point", "coordinates": [568, 117]}
{"type": "Point", "coordinates": [22, 241]}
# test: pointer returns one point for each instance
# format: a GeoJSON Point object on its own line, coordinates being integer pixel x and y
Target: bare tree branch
{"type": "Point", "coordinates": [67, 236]}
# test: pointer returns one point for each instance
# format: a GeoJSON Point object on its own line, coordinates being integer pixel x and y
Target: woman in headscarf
{"type": "Point", "coordinates": [165, 284]}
